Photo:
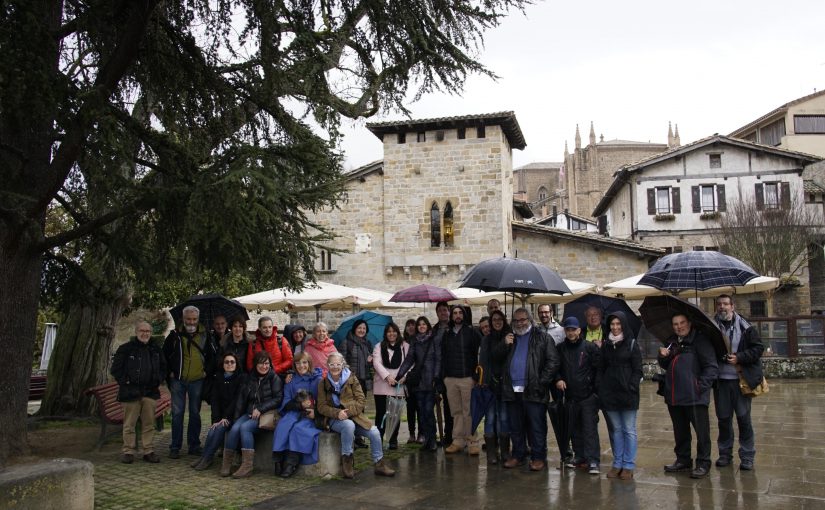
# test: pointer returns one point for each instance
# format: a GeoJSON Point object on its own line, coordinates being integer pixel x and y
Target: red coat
{"type": "Point", "coordinates": [281, 358]}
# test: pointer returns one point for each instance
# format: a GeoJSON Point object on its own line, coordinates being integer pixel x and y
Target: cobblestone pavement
{"type": "Point", "coordinates": [790, 470]}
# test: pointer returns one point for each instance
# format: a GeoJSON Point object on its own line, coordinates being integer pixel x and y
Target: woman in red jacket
{"type": "Point", "coordinates": [267, 339]}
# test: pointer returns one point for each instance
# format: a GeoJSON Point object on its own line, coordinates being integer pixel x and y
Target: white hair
{"type": "Point", "coordinates": [188, 310]}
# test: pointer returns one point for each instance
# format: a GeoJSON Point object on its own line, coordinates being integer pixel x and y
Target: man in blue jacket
{"type": "Point", "coordinates": [691, 369]}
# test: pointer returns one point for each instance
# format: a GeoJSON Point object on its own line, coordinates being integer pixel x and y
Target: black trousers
{"type": "Point", "coordinates": [585, 429]}
{"type": "Point", "coordinates": [683, 417]}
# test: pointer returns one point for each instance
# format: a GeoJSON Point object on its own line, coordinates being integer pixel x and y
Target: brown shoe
{"type": "Point", "coordinates": [382, 469]}
{"type": "Point", "coordinates": [203, 463]}
{"type": "Point", "coordinates": [513, 462]}
{"type": "Point", "coordinates": [127, 458]}
{"type": "Point", "coordinates": [151, 457]}
{"type": "Point", "coordinates": [247, 458]}
{"type": "Point", "coordinates": [627, 474]}
{"type": "Point", "coordinates": [453, 448]}
{"type": "Point", "coordinates": [226, 465]}
{"type": "Point", "coordinates": [537, 465]}
{"type": "Point", "coordinates": [348, 466]}
{"type": "Point", "coordinates": [614, 472]}
{"type": "Point", "coordinates": [473, 449]}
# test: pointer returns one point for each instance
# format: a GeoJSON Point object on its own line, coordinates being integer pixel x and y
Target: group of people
{"type": "Point", "coordinates": [299, 385]}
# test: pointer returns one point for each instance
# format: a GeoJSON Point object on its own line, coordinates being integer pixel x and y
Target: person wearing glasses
{"type": "Point", "coordinates": [260, 393]}
{"type": "Point", "coordinates": [224, 396]}
{"type": "Point", "coordinates": [341, 402]}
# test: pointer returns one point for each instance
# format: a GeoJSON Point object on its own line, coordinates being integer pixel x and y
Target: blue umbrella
{"type": "Point", "coordinates": [607, 305]}
{"type": "Point", "coordinates": [376, 322]}
{"type": "Point", "coordinates": [700, 270]}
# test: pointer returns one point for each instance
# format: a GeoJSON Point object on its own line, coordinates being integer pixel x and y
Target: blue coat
{"type": "Point", "coordinates": [294, 431]}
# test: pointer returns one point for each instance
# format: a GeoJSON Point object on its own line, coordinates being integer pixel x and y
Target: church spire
{"type": "Point", "coordinates": [578, 138]}
{"type": "Point", "coordinates": [670, 140]}
{"type": "Point", "coordinates": [676, 140]}
{"type": "Point", "coordinates": [592, 134]}
{"type": "Point", "coordinates": [566, 152]}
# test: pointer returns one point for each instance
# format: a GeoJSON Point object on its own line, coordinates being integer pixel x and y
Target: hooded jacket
{"type": "Point", "coordinates": [691, 369]}
{"type": "Point", "coordinates": [290, 330]}
{"type": "Point", "coordinates": [352, 399]}
{"type": "Point", "coordinates": [459, 351]}
{"type": "Point", "coordinates": [277, 348]}
{"type": "Point", "coordinates": [620, 370]}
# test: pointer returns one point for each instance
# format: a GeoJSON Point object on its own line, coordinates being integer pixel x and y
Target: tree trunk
{"type": "Point", "coordinates": [19, 272]}
{"type": "Point", "coordinates": [82, 354]}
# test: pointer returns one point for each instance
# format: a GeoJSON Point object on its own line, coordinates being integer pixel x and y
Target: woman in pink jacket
{"type": "Point", "coordinates": [320, 346]}
{"type": "Point", "coordinates": [386, 359]}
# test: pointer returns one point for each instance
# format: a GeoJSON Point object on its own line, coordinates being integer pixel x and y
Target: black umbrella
{"type": "Point", "coordinates": [657, 312]}
{"type": "Point", "coordinates": [561, 414]}
{"type": "Point", "coordinates": [700, 270]}
{"type": "Point", "coordinates": [514, 275]}
{"type": "Point", "coordinates": [210, 306]}
{"type": "Point", "coordinates": [607, 305]}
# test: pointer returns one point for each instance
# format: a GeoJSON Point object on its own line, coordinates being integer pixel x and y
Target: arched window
{"type": "Point", "coordinates": [448, 225]}
{"type": "Point", "coordinates": [435, 226]}
{"type": "Point", "coordinates": [542, 193]}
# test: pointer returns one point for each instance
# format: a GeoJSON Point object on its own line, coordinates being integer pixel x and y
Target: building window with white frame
{"type": "Point", "coordinates": [707, 195]}
{"type": "Point", "coordinates": [663, 201]}
{"type": "Point", "coordinates": [771, 195]}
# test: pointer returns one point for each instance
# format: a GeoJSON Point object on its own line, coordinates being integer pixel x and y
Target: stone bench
{"type": "Point", "coordinates": [329, 455]}
{"type": "Point", "coordinates": [65, 484]}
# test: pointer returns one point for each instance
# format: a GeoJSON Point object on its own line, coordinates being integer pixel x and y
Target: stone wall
{"type": "Point", "coordinates": [775, 368]}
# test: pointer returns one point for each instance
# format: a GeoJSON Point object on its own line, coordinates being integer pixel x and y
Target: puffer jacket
{"type": "Point", "coordinates": [424, 352]}
{"type": "Point", "coordinates": [579, 368]}
{"type": "Point", "coordinates": [225, 395]}
{"type": "Point", "coordinates": [620, 370]}
{"type": "Point", "coordinates": [278, 350]}
{"type": "Point", "coordinates": [459, 352]}
{"type": "Point", "coordinates": [261, 393]}
{"type": "Point", "coordinates": [691, 369]}
{"type": "Point", "coordinates": [138, 369]}
{"type": "Point", "coordinates": [542, 366]}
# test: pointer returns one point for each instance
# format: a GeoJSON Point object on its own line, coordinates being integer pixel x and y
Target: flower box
{"type": "Point", "coordinates": [664, 217]}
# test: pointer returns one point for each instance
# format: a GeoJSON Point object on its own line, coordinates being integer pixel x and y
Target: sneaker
{"type": "Point", "coordinates": [746, 465]}
{"type": "Point", "coordinates": [593, 469]}
{"type": "Point", "coordinates": [723, 462]}
{"type": "Point", "coordinates": [174, 454]}
{"type": "Point", "coordinates": [127, 458]}
{"type": "Point", "coordinates": [152, 458]}
{"type": "Point", "coordinates": [575, 463]}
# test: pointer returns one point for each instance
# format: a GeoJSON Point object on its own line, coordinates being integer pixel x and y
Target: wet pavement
{"type": "Point", "coordinates": [790, 469]}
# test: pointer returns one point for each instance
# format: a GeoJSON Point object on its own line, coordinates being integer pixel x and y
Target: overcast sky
{"type": "Point", "coordinates": [630, 67]}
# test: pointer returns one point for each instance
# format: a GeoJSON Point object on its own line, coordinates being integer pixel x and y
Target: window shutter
{"type": "Point", "coordinates": [677, 204]}
{"type": "Point", "coordinates": [785, 197]}
{"type": "Point", "coordinates": [651, 201]}
{"type": "Point", "coordinates": [694, 197]}
{"type": "Point", "coordinates": [721, 206]}
{"type": "Point", "coordinates": [759, 195]}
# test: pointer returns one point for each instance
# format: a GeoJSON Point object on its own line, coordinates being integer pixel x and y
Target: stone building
{"type": "Point", "coordinates": [540, 185]}
{"type": "Point", "coordinates": [588, 171]}
{"type": "Point", "coordinates": [442, 200]}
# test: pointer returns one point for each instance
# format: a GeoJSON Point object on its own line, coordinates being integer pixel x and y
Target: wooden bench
{"type": "Point", "coordinates": [37, 387]}
{"type": "Point", "coordinates": [111, 411]}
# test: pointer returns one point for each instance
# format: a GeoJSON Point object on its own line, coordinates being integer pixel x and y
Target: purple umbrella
{"type": "Point", "coordinates": [423, 293]}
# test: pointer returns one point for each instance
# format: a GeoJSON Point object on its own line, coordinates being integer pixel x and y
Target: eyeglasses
{"type": "Point", "coordinates": [229, 362]}
{"type": "Point", "coordinates": [336, 365]}
{"type": "Point", "coordinates": [265, 363]}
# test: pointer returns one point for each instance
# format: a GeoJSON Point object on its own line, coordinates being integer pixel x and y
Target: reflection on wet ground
{"type": "Point", "coordinates": [790, 470]}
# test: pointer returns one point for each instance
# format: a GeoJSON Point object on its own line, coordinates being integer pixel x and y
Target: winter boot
{"type": "Point", "coordinates": [247, 456]}
{"type": "Point", "coordinates": [348, 466]}
{"type": "Point", "coordinates": [382, 469]}
{"type": "Point", "coordinates": [203, 463]}
{"type": "Point", "coordinates": [226, 465]}
{"type": "Point", "coordinates": [291, 464]}
{"type": "Point", "coordinates": [504, 446]}
{"type": "Point", "coordinates": [492, 449]}
{"type": "Point", "coordinates": [277, 463]}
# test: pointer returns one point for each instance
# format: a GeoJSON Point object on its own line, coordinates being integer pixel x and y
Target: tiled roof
{"type": "Point", "coordinates": [773, 113]}
{"type": "Point", "coordinates": [539, 165]}
{"type": "Point", "coordinates": [590, 238]}
{"type": "Point", "coordinates": [812, 187]}
{"type": "Point", "coordinates": [507, 121]}
{"type": "Point", "coordinates": [363, 171]}
{"type": "Point", "coordinates": [622, 174]}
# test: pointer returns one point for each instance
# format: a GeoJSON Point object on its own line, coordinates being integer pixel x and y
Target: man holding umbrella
{"type": "Point", "coordinates": [744, 356]}
{"type": "Point", "coordinates": [691, 369]}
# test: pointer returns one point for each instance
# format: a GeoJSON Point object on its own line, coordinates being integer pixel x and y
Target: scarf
{"type": "Point", "coordinates": [614, 339]}
{"type": "Point", "coordinates": [397, 355]}
{"type": "Point", "coordinates": [336, 386]}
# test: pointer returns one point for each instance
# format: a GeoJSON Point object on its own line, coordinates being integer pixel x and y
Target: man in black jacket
{"type": "Point", "coordinates": [745, 356]}
{"type": "Point", "coordinates": [691, 368]}
{"type": "Point", "coordinates": [530, 364]}
{"type": "Point", "coordinates": [139, 367]}
{"type": "Point", "coordinates": [458, 362]}
{"type": "Point", "coordinates": [577, 379]}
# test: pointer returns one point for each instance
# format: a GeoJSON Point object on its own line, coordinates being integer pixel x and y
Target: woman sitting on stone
{"type": "Point", "coordinates": [224, 398]}
{"type": "Point", "coordinates": [261, 392]}
{"type": "Point", "coordinates": [296, 436]}
{"type": "Point", "coordinates": [341, 402]}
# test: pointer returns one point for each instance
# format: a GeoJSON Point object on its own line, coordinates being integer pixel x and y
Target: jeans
{"type": "Point", "coordinates": [527, 417]}
{"type": "Point", "coordinates": [495, 421]}
{"type": "Point", "coordinates": [624, 437]}
{"type": "Point", "coordinates": [728, 400]}
{"type": "Point", "coordinates": [180, 390]}
{"type": "Point", "coordinates": [214, 439]}
{"type": "Point", "coordinates": [243, 432]}
{"type": "Point", "coordinates": [426, 414]}
{"type": "Point", "coordinates": [349, 429]}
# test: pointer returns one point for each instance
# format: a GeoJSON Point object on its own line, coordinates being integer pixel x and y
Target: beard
{"type": "Point", "coordinates": [521, 330]}
{"type": "Point", "coordinates": [191, 329]}
{"type": "Point", "coordinates": [725, 316]}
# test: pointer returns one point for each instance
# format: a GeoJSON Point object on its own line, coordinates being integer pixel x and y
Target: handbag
{"type": "Point", "coordinates": [747, 391]}
{"type": "Point", "coordinates": [267, 420]}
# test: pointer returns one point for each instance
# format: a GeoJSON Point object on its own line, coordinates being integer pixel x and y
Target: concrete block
{"type": "Point", "coordinates": [329, 455]}
{"type": "Point", "coordinates": [60, 484]}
